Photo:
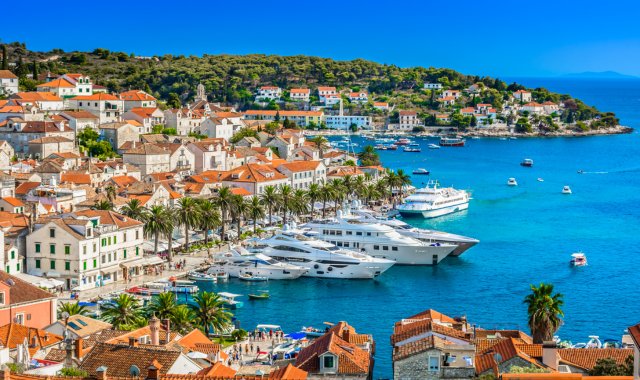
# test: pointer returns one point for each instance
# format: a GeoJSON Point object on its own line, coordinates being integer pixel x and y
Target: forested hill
{"type": "Point", "coordinates": [234, 78]}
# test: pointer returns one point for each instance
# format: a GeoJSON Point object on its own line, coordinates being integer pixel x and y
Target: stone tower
{"type": "Point", "coordinates": [200, 93]}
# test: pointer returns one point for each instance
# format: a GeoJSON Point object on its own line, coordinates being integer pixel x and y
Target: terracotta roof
{"type": "Point", "coordinates": [326, 88]}
{"type": "Point", "coordinates": [108, 217]}
{"type": "Point", "coordinates": [98, 97]}
{"type": "Point", "coordinates": [79, 115]}
{"type": "Point", "coordinates": [217, 370]}
{"type": "Point", "coordinates": [351, 358]}
{"type": "Point", "coordinates": [21, 291]}
{"type": "Point", "coordinates": [144, 112]}
{"type": "Point", "coordinates": [25, 187]}
{"type": "Point", "coordinates": [65, 155]}
{"type": "Point", "coordinates": [59, 82]}
{"type": "Point", "coordinates": [119, 359]}
{"type": "Point", "coordinates": [634, 331]}
{"type": "Point", "coordinates": [240, 191]}
{"type": "Point", "coordinates": [283, 113]}
{"type": "Point", "coordinates": [300, 166]}
{"type": "Point", "coordinates": [587, 358]}
{"type": "Point", "coordinates": [507, 349]}
{"type": "Point", "coordinates": [254, 173]}
{"type": "Point", "coordinates": [408, 113]}
{"type": "Point", "coordinates": [84, 326]}
{"type": "Point", "coordinates": [13, 201]}
{"type": "Point", "coordinates": [6, 74]}
{"type": "Point", "coordinates": [300, 91]}
{"type": "Point", "coordinates": [406, 331]}
{"type": "Point", "coordinates": [13, 334]}
{"type": "Point", "coordinates": [124, 180]}
{"type": "Point", "coordinates": [136, 95]}
{"type": "Point", "coordinates": [342, 171]}
{"type": "Point", "coordinates": [407, 350]}
{"type": "Point", "coordinates": [45, 126]}
{"type": "Point", "coordinates": [288, 373]}
{"type": "Point", "coordinates": [147, 149]}
{"type": "Point", "coordinates": [75, 178]}
{"type": "Point", "coordinates": [37, 97]}
{"type": "Point", "coordinates": [50, 140]}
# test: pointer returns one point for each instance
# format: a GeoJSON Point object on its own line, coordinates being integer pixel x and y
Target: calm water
{"type": "Point", "coordinates": [527, 234]}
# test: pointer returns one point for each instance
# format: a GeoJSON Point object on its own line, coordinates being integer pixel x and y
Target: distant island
{"type": "Point", "coordinates": [599, 75]}
{"type": "Point", "coordinates": [370, 95]}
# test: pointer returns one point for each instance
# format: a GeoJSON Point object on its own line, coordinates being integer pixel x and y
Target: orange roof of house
{"type": "Point", "coordinates": [124, 180]}
{"type": "Point", "coordinates": [300, 91]}
{"type": "Point", "coordinates": [300, 166]}
{"type": "Point", "coordinates": [357, 94]}
{"type": "Point", "coordinates": [351, 359]}
{"type": "Point", "coordinates": [269, 88]}
{"type": "Point", "coordinates": [587, 358]}
{"type": "Point", "coordinates": [59, 82]}
{"type": "Point", "coordinates": [240, 191]}
{"type": "Point", "coordinates": [15, 202]}
{"type": "Point", "coordinates": [381, 104]}
{"type": "Point", "coordinates": [218, 370]}
{"type": "Point", "coordinates": [289, 372]}
{"type": "Point", "coordinates": [25, 187]}
{"type": "Point", "coordinates": [144, 111]}
{"type": "Point", "coordinates": [99, 97]}
{"type": "Point", "coordinates": [283, 113]}
{"type": "Point", "coordinates": [108, 217]}
{"type": "Point", "coordinates": [407, 113]}
{"type": "Point", "coordinates": [6, 74]}
{"type": "Point", "coordinates": [37, 96]}
{"type": "Point", "coordinates": [136, 95]}
{"type": "Point", "coordinates": [79, 114]}
{"type": "Point", "coordinates": [254, 173]}
{"type": "Point", "coordinates": [14, 334]}
{"type": "Point", "coordinates": [444, 99]}
{"type": "Point", "coordinates": [533, 104]}
{"type": "Point", "coordinates": [76, 178]}
{"type": "Point", "coordinates": [326, 88]}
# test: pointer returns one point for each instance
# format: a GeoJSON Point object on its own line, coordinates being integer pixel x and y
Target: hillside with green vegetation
{"type": "Point", "coordinates": [233, 79]}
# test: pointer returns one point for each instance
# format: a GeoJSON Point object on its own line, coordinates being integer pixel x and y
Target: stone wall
{"type": "Point", "coordinates": [416, 367]}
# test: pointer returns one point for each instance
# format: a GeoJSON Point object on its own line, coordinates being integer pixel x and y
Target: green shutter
{"type": "Point", "coordinates": [84, 265]}
{"type": "Point", "coordinates": [137, 251]}
{"type": "Point", "coordinates": [52, 264]}
{"type": "Point", "coordinates": [52, 249]}
{"type": "Point", "coordinates": [67, 265]}
{"type": "Point", "coordinates": [125, 253]}
{"type": "Point", "coordinates": [95, 263]}
{"type": "Point", "coordinates": [37, 247]}
{"type": "Point", "coordinates": [18, 267]}
{"type": "Point", "coordinates": [67, 249]}
{"type": "Point", "coordinates": [38, 264]}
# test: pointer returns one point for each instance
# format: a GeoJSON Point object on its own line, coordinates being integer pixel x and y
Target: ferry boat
{"type": "Point", "coordinates": [421, 171]}
{"type": "Point", "coordinates": [566, 190]}
{"type": "Point", "coordinates": [578, 259]}
{"type": "Point", "coordinates": [323, 259]}
{"type": "Point", "coordinates": [239, 261]}
{"type": "Point", "coordinates": [403, 141]}
{"type": "Point", "coordinates": [433, 201]}
{"type": "Point", "coordinates": [378, 240]}
{"type": "Point", "coordinates": [527, 162]}
{"type": "Point", "coordinates": [452, 142]}
{"type": "Point", "coordinates": [512, 182]}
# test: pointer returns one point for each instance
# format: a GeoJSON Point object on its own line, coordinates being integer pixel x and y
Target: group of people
{"type": "Point", "coordinates": [178, 265]}
{"type": "Point", "coordinates": [259, 335]}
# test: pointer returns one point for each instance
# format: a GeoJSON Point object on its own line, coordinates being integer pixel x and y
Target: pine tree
{"type": "Point", "coordinates": [5, 65]}
{"type": "Point", "coordinates": [35, 70]}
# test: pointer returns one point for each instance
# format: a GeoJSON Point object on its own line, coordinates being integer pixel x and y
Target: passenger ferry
{"type": "Point", "coordinates": [452, 141]}
{"type": "Point", "coordinates": [433, 201]}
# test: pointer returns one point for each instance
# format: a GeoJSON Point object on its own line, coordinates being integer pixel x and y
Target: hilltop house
{"type": "Point", "coordinates": [359, 97]}
{"type": "Point", "coordinates": [299, 94]}
{"type": "Point", "coordinates": [268, 93]}
{"type": "Point", "coordinates": [137, 99]}
{"type": "Point", "coordinates": [522, 95]}
{"type": "Point", "coordinates": [108, 108]}
{"type": "Point", "coordinates": [8, 83]}
{"type": "Point", "coordinates": [68, 85]}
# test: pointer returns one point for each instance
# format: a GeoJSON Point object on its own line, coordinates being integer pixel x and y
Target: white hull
{"type": "Point", "coordinates": [360, 271]}
{"type": "Point", "coordinates": [413, 255]}
{"type": "Point", "coordinates": [407, 210]}
{"type": "Point", "coordinates": [272, 273]}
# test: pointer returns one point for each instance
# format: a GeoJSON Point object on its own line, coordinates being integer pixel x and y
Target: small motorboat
{"type": "Point", "coordinates": [263, 295]}
{"type": "Point", "coordinates": [566, 190]}
{"type": "Point", "coordinates": [540, 180]}
{"type": "Point", "coordinates": [527, 163]}
{"type": "Point", "coordinates": [433, 146]}
{"type": "Point", "coordinates": [222, 276]}
{"type": "Point", "coordinates": [578, 259]}
{"type": "Point", "coordinates": [594, 342]}
{"type": "Point", "coordinates": [392, 147]}
{"type": "Point", "coordinates": [512, 182]}
{"type": "Point", "coordinates": [611, 343]}
{"type": "Point", "coordinates": [199, 276]}
{"type": "Point", "coordinates": [312, 332]}
{"type": "Point", "coordinates": [403, 141]}
{"type": "Point", "coordinates": [252, 278]}
{"type": "Point", "coordinates": [411, 149]}
{"type": "Point", "coordinates": [421, 171]}
{"type": "Point", "coordinates": [380, 147]}
{"type": "Point", "coordinates": [138, 290]}
{"type": "Point", "coordinates": [229, 299]}
{"type": "Point", "coordinates": [580, 171]}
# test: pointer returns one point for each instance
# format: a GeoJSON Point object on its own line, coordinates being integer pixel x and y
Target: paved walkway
{"type": "Point", "coordinates": [192, 261]}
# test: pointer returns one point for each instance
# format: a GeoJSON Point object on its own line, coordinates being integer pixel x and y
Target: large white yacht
{"type": "Point", "coordinates": [433, 200]}
{"type": "Point", "coordinates": [429, 236]}
{"type": "Point", "coordinates": [379, 240]}
{"type": "Point", "coordinates": [322, 259]}
{"type": "Point", "coordinates": [239, 262]}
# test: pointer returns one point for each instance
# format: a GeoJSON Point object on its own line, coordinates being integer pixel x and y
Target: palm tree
{"type": "Point", "coordinates": [393, 181]}
{"type": "Point", "coordinates": [209, 217]}
{"type": "Point", "coordinates": [314, 193]}
{"type": "Point", "coordinates": [224, 200]}
{"type": "Point", "coordinates": [255, 211]}
{"type": "Point", "coordinates": [299, 203]}
{"type": "Point", "coordinates": [545, 312]}
{"type": "Point", "coordinates": [285, 193]}
{"type": "Point", "coordinates": [157, 222]}
{"type": "Point", "coordinates": [370, 192]}
{"type": "Point", "coordinates": [182, 319]}
{"type": "Point", "coordinates": [134, 210]}
{"type": "Point", "coordinates": [348, 183]}
{"type": "Point", "coordinates": [358, 184]}
{"type": "Point", "coordinates": [188, 216]}
{"type": "Point", "coordinates": [238, 210]}
{"type": "Point", "coordinates": [404, 180]}
{"type": "Point", "coordinates": [163, 305]}
{"type": "Point", "coordinates": [338, 193]}
{"type": "Point", "coordinates": [103, 205]}
{"type": "Point", "coordinates": [326, 195]}
{"type": "Point", "coordinates": [270, 199]}
{"type": "Point", "coordinates": [320, 142]}
{"type": "Point", "coordinates": [72, 308]}
{"type": "Point", "coordinates": [171, 224]}
{"type": "Point", "coordinates": [208, 311]}
{"type": "Point", "coordinates": [110, 191]}
{"type": "Point", "coordinates": [124, 313]}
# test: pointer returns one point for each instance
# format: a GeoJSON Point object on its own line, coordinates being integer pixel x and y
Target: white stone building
{"type": "Point", "coordinates": [108, 108]}
{"type": "Point", "coordinates": [8, 83]}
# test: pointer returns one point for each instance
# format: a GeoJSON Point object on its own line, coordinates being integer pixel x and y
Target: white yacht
{"type": "Point", "coordinates": [512, 182]}
{"type": "Point", "coordinates": [321, 258]}
{"type": "Point", "coordinates": [433, 201]}
{"type": "Point", "coordinates": [240, 262]}
{"type": "Point", "coordinates": [566, 190]}
{"type": "Point", "coordinates": [430, 236]}
{"type": "Point", "coordinates": [379, 240]}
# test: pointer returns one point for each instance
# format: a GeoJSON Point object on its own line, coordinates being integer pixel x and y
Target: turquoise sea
{"type": "Point", "coordinates": [527, 235]}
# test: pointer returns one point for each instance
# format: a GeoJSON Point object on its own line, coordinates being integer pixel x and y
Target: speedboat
{"type": "Point", "coordinates": [578, 259]}
{"type": "Point", "coordinates": [180, 286]}
{"type": "Point", "coordinates": [252, 278]}
{"type": "Point", "coordinates": [263, 295]}
{"type": "Point", "coordinates": [462, 243]}
{"type": "Point", "coordinates": [512, 182]}
{"type": "Point", "coordinates": [594, 342]}
{"type": "Point", "coordinates": [433, 146]}
{"type": "Point", "coordinates": [229, 299]}
{"type": "Point", "coordinates": [381, 147]}
{"type": "Point", "coordinates": [199, 276]}
{"type": "Point", "coordinates": [566, 190]}
{"type": "Point", "coordinates": [323, 259]}
{"type": "Point", "coordinates": [403, 141]}
{"type": "Point", "coordinates": [421, 171]}
{"type": "Point", "coordinates": [412, 149]}
{"type": "Point", "coordinates": [540, 180]}
{"type": "Point", "coordinates": [378, 240]}
{"type": "Point", "coordinates": [527, 162]}
{"type": "Point", "coordinates": [433, 201]}
{"type": "Point", "coordinates": [239, 261]}
{"type": "Point", "coordinates": [392, 147]}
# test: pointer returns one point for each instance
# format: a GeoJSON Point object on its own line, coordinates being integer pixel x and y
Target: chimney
{"type": "Point", "coordinates": [78, 348]}
{"type": "Point", "coordinates": [345, 333]}
{"type": "Point", "coordinates": [133, 342]}
{"type": "Point", "coordinates": [153, 372]}
{"type": "Point", "coordinates": [101, 373]}
{"type": "Point", "coordinates": [550, 354]}
{"type": "Point", "coordinates": [154, 326]}
{"type": "Point", "coordinates": [166, 325]}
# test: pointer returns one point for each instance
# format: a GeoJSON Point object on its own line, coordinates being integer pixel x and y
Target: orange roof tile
{"type": "Point", "coordinates": [98, 97]}
{"type": "Point", "coordinates": [37, 96]}
{"type": "Point", "coordinates": [352, 360]}
{"type": "Point", "coordinates": [6, 74]}
{"type": "Point", "coordinates": [587, 358]}
{"type": "Point", "coordinates": [76, 178]}
{"type": "Point", "coordinates": [25, 187]}
{"type": "Point", "coordinates": [60, 82]}
{"type": "Point", "coordinates": [300, 166]}
{"type": "Point", "coordinates": [14, 334]}
{"type": "Point", "coordinates": [15, 202]}
{"type": "Point", "coordinates": [283, 113]}
{"type": "Point", "coordinates": [136, 95]}
{"type": "Point", "coordinates": [108, 217]}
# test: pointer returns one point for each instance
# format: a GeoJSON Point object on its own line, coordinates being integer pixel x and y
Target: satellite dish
{"type": "Point", "coordinates": [134, 371]}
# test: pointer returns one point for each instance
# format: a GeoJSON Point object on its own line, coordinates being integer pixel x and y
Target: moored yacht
{"type": "Point", "coordinates": [379, 240]}
{"type": "Point", "coordinates": [433, 201]}
{"type": "Point", "coordinates": [321, 258]}
{"type": "Point", "coordinates": [239, 261]}
{"type": "Point", "coordinates": [429, 236]}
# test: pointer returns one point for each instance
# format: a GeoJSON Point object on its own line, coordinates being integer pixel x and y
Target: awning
{"type": "Point", "coordinates": [53, 273]}
{"type": "Point", "coordinates": [55, 282]}
{"type": "Point", "coordinates": [152, 260]}
{"type": "Point", "coordinates": [133, 263]}
{"type": "Point", "coordinates": [34, 272]}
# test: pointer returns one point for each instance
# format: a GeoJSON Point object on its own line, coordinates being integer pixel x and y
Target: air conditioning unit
{"type": "Point", "coordinates": [564, 369]}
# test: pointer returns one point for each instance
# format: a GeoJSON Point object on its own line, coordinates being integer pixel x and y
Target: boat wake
{"type": "Point", "coordinates": [596, 172]}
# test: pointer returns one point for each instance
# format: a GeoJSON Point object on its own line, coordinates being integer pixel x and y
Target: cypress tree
{"type": "Point", "coordinates": [35, 70]}
{"type": "Point", "coordinates": [5, 65]}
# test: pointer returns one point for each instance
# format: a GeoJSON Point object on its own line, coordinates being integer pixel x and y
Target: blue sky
{"type": "Point", "coordinates": [498, 38]}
